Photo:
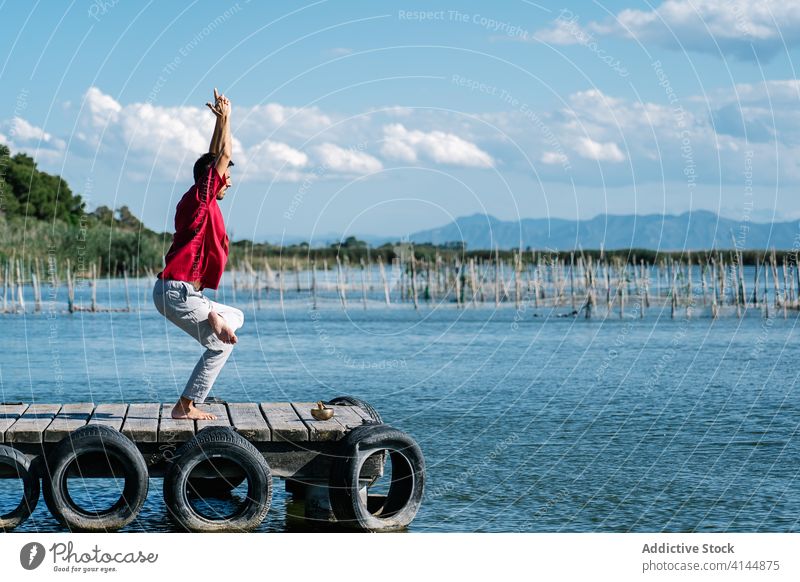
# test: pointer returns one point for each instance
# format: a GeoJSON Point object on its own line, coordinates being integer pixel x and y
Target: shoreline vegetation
{"type": "Point", "coordinates": [47, 236]}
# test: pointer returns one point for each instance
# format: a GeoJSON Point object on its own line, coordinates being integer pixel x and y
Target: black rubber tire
{"type": "Point", "coordinates": [353, 401]}
{"type": "Point", "coordinates": [106, 441]}
{"type": "Point", "coordinates": [212, 486]}
{"type": "Point", "coordinates": [21, 464]}
{"type": "Point", "coordinates": [405, 492]}
{"type": "Point", "coordinates": [216, 442]}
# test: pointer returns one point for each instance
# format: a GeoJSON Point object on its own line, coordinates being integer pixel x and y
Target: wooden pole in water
{"type": "Point", "coordinates": [714, 307]}
{"type": "Point", "coordinates": [735, 285]}
{"type": "Point", "coordinates": [93, 274]}
{"type": "Point", "coordinates": [384, 281]}
{"type": "Point", "coordinates": [703, 284]}
{"type": "Point", "coordinates": [774, 266]}
{"type": "Point", "coordinates": [742, 284]}
{"type": "Point", "coordinates": [766, 292]}
{"type": "Point", "coordinates": [517, 282]}
{"type": "Point", "coordinates": [755, 282]}
{"type": "Point", "coordinates": [314, 283]}
{"type": "Point", "coordinates": [572, 279]}
{"type": "Point", "coordinates": [127, 291]}
{"type": "Point", "coordinates": [458, 282]}
{"type": "Point", "coordinates": [36, 303]}
{"type": "Point", "coordinates": [674, 290]}
{"type": "Point", "coordinates": [414, 278]}
{"type": "Point", "coordinates": [473, 281]}
{"type": "Point", "coordinates": [689, 277]}
{"type": "Point", "coordinates": [363, 284]}
{"type": "Point", "coordinates": [280, 281]}
{"type": "Point", "coordinates": [340, 283]}
{"type": "Point", "coordinates": [622, 288]}
{"type": "Point", "coordinates": [784, 294]}
{"type": "Point", "coordinates": [721, 274]}
{"type": "Point", "coordinates": [20, 296]}
{"type": "Point", "coordinates": [269, 276]}
{"type": "Point", "coordinates": [70, 290]}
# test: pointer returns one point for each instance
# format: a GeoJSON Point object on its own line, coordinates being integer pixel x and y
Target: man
{"type": "Point", "coordinates": [195, 261]}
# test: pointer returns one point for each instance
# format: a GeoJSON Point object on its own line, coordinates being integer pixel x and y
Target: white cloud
{"type": "Point", "coordinates": [438, 146]}
{"type": "Point", "coordinates": [602, 152]}
{"type": "Point", "coordinates": [22, 136]}
{"type": "Point", "coordinates": [347, 161]}
{"type": "Point", "coordinates": [552, 158]}
{"type": "Point", "coordinates": [739, 27]}
{"type": "Point", "coordinates": [162, 137]}
{"type": "Point", "coordinates": [274, 119]}
{"type": "Point", "coordinates": [104, 109]}
{"type": "Point", "coordinates": [271, 158]}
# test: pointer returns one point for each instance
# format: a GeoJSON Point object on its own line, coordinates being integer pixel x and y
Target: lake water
{"type": "Point", "coordinates": [527, 423]}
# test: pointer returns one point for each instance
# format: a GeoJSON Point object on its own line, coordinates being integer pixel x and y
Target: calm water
{"type": "Point", "coordinates": [552, 424]}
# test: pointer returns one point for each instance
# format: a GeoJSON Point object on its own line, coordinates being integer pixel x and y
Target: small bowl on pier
{"type": "Point", "coordinates": [322, 412]}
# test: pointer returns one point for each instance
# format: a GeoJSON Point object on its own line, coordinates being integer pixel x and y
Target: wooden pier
{"type": "Point", "coordinates": [331, 462]}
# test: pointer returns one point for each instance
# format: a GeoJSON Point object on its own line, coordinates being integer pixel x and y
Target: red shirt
{"type": "Point", "coordinates": [199, 248]}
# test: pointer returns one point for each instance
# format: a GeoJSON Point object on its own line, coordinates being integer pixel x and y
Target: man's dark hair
{"type": "Point", "coordinates": [203, 164]}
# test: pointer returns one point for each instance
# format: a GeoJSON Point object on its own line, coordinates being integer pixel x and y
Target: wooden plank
{"type": "Point", "coordinates": [284, 422]}
{"type": "Point", "coordinates": [319, 430]}
{"type": "Point", "coordinates": [141, 422]}
{"type": "Point", "coordinates": [217, 409]}
{"type": "Point", "coordinates": [70, 417]}
{"type": "Point", "coordinates": [348, 415]}
{"type": "Point", "coordinates": [172, 430]}
{"type": "Point", "coordinates": [9, 413]}
{"type": "Point", "coordinates": [248, 421]}
{"type": "Point", "coordinates": [32, 423]}
{"type": "Point", "coordinates": [109, 414]}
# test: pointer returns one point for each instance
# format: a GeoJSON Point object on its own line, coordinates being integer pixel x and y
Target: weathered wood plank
{"type": "Point", "coordinates": [172, 430]}
{"type": "Point", "coordinates": [284, 422]}
{"type": "Point", "coordinates": [348, 415]}
{"type": "Point", "coordinates": [248, 421]}
{"type": "Point", "coordinates": [141, 422]}
{"type": "Point", "coordinates": [32, 423]}
{"type": "Point", "coordinates": [9, 413]}
{"type": "Point", "coordinates": [110, 414]}
{"type": "Point", "coordinates": [319, 430]}
{"type": "Point", "coordinates": [217, 409]}
{"type": "Point", "coordinates": [71, 416]}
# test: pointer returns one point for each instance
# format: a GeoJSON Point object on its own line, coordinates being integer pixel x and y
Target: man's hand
{"type": "Point", "coordinates": [216, 108]}
{"type": "Point", "coordinates": [224, 106]}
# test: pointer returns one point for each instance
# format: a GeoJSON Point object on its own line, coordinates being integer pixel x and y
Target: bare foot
{"type": "Point", "coordinates": [182, 410]}
{"type": "Point", "coordinates": [221, 328]}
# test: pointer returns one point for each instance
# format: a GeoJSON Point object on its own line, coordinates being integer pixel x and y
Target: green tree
{"type": "Point", "coordinates": [38, 194]}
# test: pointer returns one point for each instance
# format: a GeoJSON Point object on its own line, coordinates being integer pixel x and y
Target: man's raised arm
{"type": "Point", "coordinates": [216, 137]}
{"type": "Point", "coordinates": [226, 147]}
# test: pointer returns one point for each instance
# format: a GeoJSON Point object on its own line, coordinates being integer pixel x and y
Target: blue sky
{"type": "Point", "coordinates": [390, 117]}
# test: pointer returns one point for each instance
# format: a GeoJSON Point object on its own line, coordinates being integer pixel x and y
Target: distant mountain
{"type": "Point", "coordinates": [692, 231]}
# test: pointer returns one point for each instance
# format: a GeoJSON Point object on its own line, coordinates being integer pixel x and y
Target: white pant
{"type": "Point", "coordinates": [188, 309]}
